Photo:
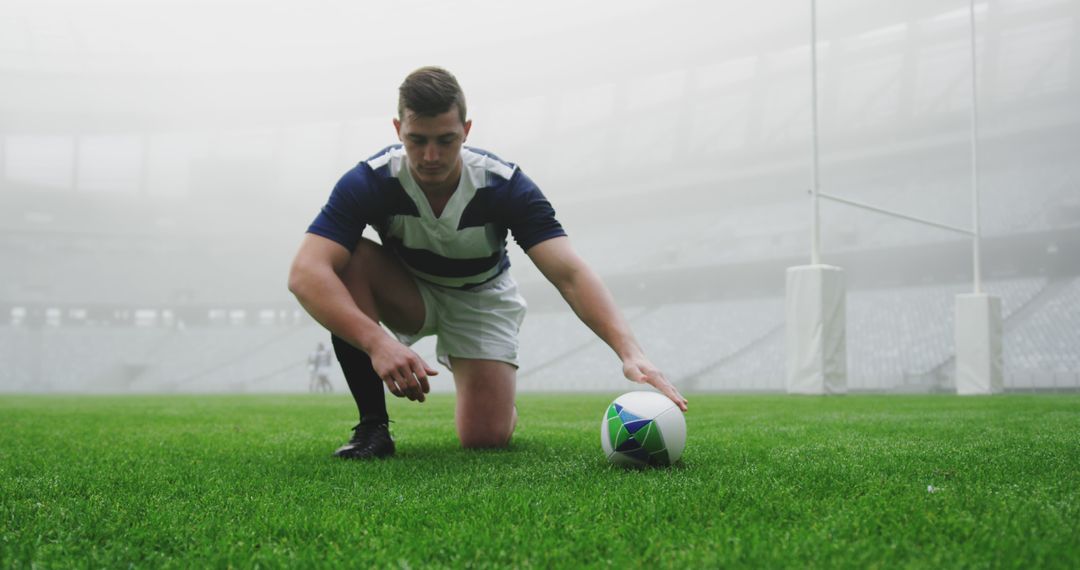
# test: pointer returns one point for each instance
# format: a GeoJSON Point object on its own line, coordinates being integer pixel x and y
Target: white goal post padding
{"type": "Point", "coordinates": [815, 330]}
{"type": "Point", "coordinates": [978, 344]}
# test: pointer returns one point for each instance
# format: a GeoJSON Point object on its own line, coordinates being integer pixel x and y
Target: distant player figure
{"type": "Point", "coordinates": [443, 212]}
{"type": "Point", "coordinates": [319, 366]}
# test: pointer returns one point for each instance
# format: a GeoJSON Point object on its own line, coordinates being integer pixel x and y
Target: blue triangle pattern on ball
{"type": "Point", "coordinates": [639, 454]}
{"type": "Point", "coordinates": [629, 445]}
{"type": "Point", "coordinates": [626, 416]}
{"type": "Point", "coordinates": [635, 425]}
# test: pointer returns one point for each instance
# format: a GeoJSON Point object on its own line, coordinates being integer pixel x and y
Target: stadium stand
{"type": "Point", "coordinates": [1044, 350]}
{"type": "Point", "coordinates": [710, 189]}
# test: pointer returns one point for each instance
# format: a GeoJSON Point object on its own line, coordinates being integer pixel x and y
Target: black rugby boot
{"type": "Point", "coordinates": [369, 441]}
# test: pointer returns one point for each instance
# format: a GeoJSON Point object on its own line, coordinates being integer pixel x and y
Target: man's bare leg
{"type": "Point", "coordinates": [485, 414]}
{"type": "Point", "coordinates": [382, 288]}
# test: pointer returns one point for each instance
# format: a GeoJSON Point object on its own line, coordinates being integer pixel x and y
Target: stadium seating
{"type": "Point", "coordinates": [1044, 350]}
{"type": "Point", "coordinates": [898, 339]}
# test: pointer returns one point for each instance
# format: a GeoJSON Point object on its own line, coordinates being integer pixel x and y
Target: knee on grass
{"type": "Point", "coordinates": [486, 439]}
{"type": "Point", "coordinates": [487, 431]}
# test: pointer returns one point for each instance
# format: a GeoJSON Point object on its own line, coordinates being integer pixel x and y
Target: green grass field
{"type": "Point", "coordinates": [766, 481]}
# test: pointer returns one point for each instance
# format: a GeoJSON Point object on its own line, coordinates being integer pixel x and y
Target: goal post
{"type": "Point", "coordinates": [978, 345]}
{"type": "Point", "coordinates": [816, 337]}
{"type": "Point", "coordinates": [815, 297]}
{"type": "Point", "coordinates": [815, 306]}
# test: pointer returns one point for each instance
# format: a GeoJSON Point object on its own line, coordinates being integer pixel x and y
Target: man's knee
{"type": "Point", "coordinates": [491, 439]}
{"type": "Point", "coordinates": [487, 435]}
{"type": "Point", "coordinates": [365, 255]}
{"type": "Point", "coordinates": [366, 265]}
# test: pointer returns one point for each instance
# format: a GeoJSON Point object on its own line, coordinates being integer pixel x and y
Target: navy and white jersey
{"type": "Point", "coordinates": [463, 247]}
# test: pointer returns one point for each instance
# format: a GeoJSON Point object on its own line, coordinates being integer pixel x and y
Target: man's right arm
{"type": "Point", "coordinates": [315, 280]}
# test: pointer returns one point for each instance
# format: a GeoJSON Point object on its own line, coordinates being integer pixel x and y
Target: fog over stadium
{"type": "Point", "coordinates": [161, 160]}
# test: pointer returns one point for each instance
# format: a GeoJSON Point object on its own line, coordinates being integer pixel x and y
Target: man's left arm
{"type": "Point", "coordinates": [594, 305]}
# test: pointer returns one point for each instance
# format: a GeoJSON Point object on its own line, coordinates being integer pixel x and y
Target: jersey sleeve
{"type": "Point", "coordinates": [528, 214]}
{"type": "Point", "coordinates": [353, 205]}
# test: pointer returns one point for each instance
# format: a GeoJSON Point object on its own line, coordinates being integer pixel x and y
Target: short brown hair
{"type": "Point", "coordinates": [430, 91]}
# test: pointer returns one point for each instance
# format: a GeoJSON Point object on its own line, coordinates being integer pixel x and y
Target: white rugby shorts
{"type": "Point", "coordinates": [481, 323]}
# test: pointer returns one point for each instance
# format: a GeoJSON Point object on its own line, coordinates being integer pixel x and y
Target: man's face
{"type": "Point", "coordinates": [433, 145]}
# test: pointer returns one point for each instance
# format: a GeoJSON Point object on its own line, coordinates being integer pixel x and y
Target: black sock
{"type": "Point", "coordinates": [365, 385]}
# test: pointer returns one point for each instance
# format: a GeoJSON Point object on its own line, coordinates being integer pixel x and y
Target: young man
{"type": "Point", "coordinates": [442, 211]}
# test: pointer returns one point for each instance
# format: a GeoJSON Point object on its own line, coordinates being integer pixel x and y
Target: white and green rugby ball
{"type": "Point", "coordinates": [643, 428]}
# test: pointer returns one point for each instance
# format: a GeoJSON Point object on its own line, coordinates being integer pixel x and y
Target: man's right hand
{"type": "Point", "coordinates": [403, 371]}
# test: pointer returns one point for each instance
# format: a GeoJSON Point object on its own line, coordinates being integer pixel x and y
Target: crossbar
{"type": "Point", "coordinates": [865, 206]}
